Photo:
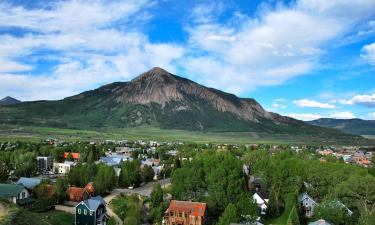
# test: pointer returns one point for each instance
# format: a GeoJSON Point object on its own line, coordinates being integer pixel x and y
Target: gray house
{"type": "Point", "coordinates": [308, 204]}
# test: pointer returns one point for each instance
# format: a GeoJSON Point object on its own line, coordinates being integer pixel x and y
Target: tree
{"type": "Point", "coordinates": [90, 157]}
{"type": "Point", "coordinates": [293, 218]}
{"type": "Point", "coordinates": [247, 209]}
{"type": "Point", "coordinates": [274, 205]}
{"type": "Point", "coordinates": [156, 195]}
{"type": "Point", "coordinates": [44, 201]}
{"type": "Point", "coordinates": [147, 173]}
{"type": "Point", "coordinates": [61, 187]}
{"type": "Point", "coordinates": [130, 174]}
{"type": "Point", "coordinates": [332, 211]}
{"type": "Point", "coordinates": [229, 215]}
{"type": "Point", "coordinates": [105, 179]}
{"type": "Point", "coordinates": [3, 171]}
{"type": "Point", "coordinates": [25, 164]}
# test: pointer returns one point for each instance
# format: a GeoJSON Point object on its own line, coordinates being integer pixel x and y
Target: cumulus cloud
{"type": "Point", "coordinates": [372, 115]}
{"type": "Point", "coordinates": [368, 53]}
{"type": "Point", "coordinates": [365, 100]}
{"type": "Point", "coordinates": [90, 43]}
{"type": "Point", "coordinates": [312, 104]}
{"type": "Point", "coordinates": [342, 115]}
{"type": "Point", "coordinates": [305, 116]}
{"type": "Point", "coordinates": [278, 45]}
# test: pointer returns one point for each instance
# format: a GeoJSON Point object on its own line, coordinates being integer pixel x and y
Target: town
{"type": "Point", "coordinates": [157, 182]}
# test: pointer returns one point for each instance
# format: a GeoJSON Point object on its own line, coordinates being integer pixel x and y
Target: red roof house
{"type": "Point", "coordinates": [185, 212]}
{"type": "Point", "coordinates": [77, 194]}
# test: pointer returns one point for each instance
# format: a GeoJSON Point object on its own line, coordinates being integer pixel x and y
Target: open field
{"type": "Point", "coordinates": [31, 133]}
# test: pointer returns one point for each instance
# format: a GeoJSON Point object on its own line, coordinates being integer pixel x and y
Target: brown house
{"type": "Point", "coordinates": [77, 194]}
{"type": "Point", "coordinates": [185, 213]}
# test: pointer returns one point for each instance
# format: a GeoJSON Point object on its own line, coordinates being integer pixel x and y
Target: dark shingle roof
{"type": "Point", "coordinates": [10, 190]}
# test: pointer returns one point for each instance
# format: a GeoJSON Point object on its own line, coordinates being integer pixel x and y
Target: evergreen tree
{"type": "Point", "coordinates": [293, 218]}
{"type": "Point", "coordinates": [156, 195]}
{"type": "Point", "coordinates": [147, 173]}
{"type": "Point", "coordinates": [229, 215]}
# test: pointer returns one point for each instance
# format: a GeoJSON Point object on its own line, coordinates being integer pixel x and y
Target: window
{"type": "Point", "coordinates": [23, 195]}
{"type": "Point", "coordinates": [179, 214]}
{"type": "Point", "coordinates": [79, 211]}
{"type": "Point", "coordinates": [85, 212]}
{"type": "Point", "coordinates": [90, 213]}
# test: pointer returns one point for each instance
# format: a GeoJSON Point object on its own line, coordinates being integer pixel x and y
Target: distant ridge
{"type": "Point", "coordinates": [9, 101]}
{"type": "Point", "coordinates": [352, 126]}
{"type": "Point", "coordinates": [159, 99]}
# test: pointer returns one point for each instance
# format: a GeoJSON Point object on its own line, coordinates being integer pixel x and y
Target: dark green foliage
{"type": "Point", "coordinates": [293, 218]}
{"type": "Point", "coordinates": [82, 174]}
{"type": "Point", "coordinates": [147, 173]}
{"type": "Point", "coordinates": [43, 201]}
{"type": "Point", "coordinates": [61, 187]}
{"type": "Point", "coordinates": [332, 212]}
{"type": "Point", "coordinates": [217, 174]}
{"type": "Point", "coordinates": [156, 196]}
{"type": "Point", "coordinates": [105, 179]}
{"type": "Point", "coordinates": [229, 216]}
{"type": "Point", "coordinates": [247, 209]}
{"type": "Point", "coordinates": [130, 174]}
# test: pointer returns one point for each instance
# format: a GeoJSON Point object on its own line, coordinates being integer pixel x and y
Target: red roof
{"type": "Point", "coordinates": [74, 192]}
{"type": "Point", "coordinates": [74, 154]}
{"type": "Point", "coordinates": [90, 187]}
{"type": "Point", "coordinates": [192, 208]}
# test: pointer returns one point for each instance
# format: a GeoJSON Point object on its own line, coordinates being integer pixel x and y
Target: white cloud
{"type": "Point", "coordinates": [304, 116]}
{"type": "Point", "coordinates": [278, 45]}
{"type": "Point", "coordinates": [342, 115]}
{"type": "Point", "coordinates": [312, 104]}
{"type": "Point", "coordinates": [368, 53]}
{"type": "Point", "coordinates": [365, 100]}
{"type": "Point", "coordinates": [371, 116]}
{"type": "Point", "coordinates": [93, 43]}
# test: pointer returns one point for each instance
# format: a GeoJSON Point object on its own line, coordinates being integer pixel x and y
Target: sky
{"type": "Point", "coordinates": [306, 59]}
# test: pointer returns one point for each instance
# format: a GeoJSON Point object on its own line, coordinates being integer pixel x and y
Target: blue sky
{"type": "Point", "coordinates": [306, 59]}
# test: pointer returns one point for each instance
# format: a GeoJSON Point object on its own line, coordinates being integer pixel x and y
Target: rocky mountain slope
{"type": "Point", "coordinates": [157, 98]}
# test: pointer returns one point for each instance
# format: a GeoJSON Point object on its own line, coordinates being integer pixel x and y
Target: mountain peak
{"type": "Point", "coordinates": [9, 101]}
{"type": "Point", "coordinates": [155, 75]}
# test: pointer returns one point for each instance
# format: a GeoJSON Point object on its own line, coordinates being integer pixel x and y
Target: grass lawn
{"type": "Point", "coordinates": [32, 133]}
{"type": "Point", "coordinates": [26, 217]}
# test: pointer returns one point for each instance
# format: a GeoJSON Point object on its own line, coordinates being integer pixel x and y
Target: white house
{"type": "Point", "coordinates": [262, 203]}
{"type": "Point", "coordinates": [308, 204]}
{"type": "Point", "coordinates": [18, 194]}
{"type": "Point", "coordinates": [64, 167]}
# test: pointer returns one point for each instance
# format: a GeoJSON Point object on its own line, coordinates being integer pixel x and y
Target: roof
{"type": "Point", "coordinates": [94, 202]}
{"type": "Point", "coordinates": [90, 187]}
{"type": "Point", "coordinates": [10, 190]}
{"type": "Point", "coordinates": [320, 222]}
{"type": "Point", "coordinates": [303, 196]}
{"type": "Point", "coordinates": [74, 154]}
{"type": "Point", "coordinates": [76, 191]}
{"type": "Point", "coordinates": [110, 160]}
{"type": "Point", "coordinates": [29, 183]}
{"type": "Point", "coordinates": [193, 208]}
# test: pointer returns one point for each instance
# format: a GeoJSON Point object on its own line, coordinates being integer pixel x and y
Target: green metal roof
{"type": "Point", "coordinates": [10, 190]}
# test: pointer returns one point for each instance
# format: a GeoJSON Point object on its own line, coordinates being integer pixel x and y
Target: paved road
{"type": "Point", "coordinates": [144, 190]}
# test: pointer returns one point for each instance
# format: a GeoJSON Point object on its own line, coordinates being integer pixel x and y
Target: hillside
{"type": "Point", "coordinates": [159, 99]}
{"type": "Point", "coordinates": [352, 126]}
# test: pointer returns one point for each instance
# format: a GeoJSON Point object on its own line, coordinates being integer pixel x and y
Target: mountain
{"type": "Point", "coordinates": [352, 126]}
{"type": "Point", "coordinates": [9, 101]}
{"type": "Point", "coordinates": [160, 99]}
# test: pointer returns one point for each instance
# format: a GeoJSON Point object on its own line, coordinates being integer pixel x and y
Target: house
{"type": "Point", "coordinates": [77, 194]}
{"type": "Point", "coordinates": [45, 163]}
{"type": "Point", "coordinates": [185, 213]}
{"type": "Point", "coordinates": [18, 194]}
{"type": "Point", "coordinates": [75, 155]}
{"type": "Point", "coordinates": [29, 183]}
{"type": "Point", "coordinates": [262, 203]}
{"type": "Point", "coordinates": [91, 212]}
{"type": "Point", "coordinates": [320, 222]}
{"type": "Point", "coordinates": [64, 167]}
{"type": "Point", "coordinates": [308, 204]}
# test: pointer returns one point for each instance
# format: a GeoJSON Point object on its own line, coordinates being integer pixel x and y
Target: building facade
{"type": "Point", "coordinates": [91, 212]}
{"type": "Point", "coordinates": [185, 213]}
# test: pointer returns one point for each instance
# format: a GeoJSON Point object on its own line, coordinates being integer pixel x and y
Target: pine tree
{"type": "Point", "coordinates": [229, 215]}
{"type": "Point", "coordinates": [293, 218]}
